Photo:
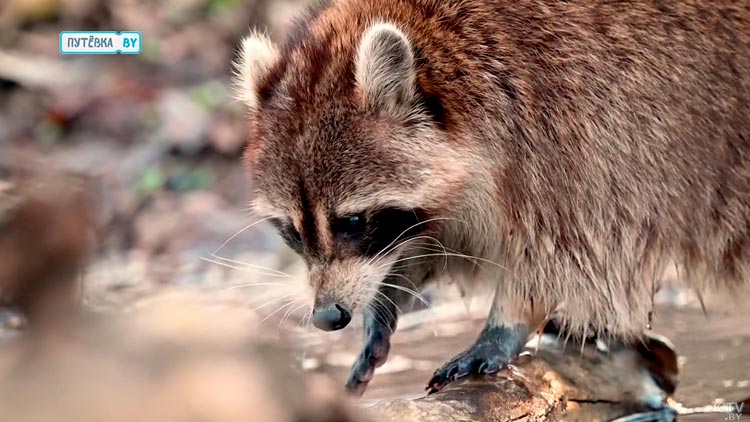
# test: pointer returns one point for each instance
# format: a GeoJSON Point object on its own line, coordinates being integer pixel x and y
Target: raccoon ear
{"type": "Point", "coordinates": [257, 54]}
{"type": "Point", "coordinates": [385, 69]}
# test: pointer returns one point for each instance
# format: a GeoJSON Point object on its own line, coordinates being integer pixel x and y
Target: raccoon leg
{"type": "Point", "coordinates": [499, 343]}
{"type": "Point", "coordinates": [380, 323]}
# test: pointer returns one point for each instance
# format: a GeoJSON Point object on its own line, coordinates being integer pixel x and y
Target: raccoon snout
{"type": "Point", "coordinates": [331, 317]}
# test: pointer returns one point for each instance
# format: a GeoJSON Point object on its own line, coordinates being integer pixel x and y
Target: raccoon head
{"type": "Point", "coordinates": [347, 162]}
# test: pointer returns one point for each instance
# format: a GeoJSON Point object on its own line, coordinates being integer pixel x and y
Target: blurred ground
{"type": "Point", "coordinates": [161, 138]}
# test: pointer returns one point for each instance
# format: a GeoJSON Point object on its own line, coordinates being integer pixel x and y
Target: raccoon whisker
{"type": "Point", "coordinates": [416, 289]}
{"type": "Point", "coordinates": [421, 245]}
{"type": "Point", "coordinates": [386, 249]}
{"type": "Point", "coordinates": [272, 301]}
{"type": "Point", "coordinates": [377, 313]}
{"type": "Point", "coordinates": [242, 286]}
{"type": "Point", "coordinates": [373, 314]}
{"type": "Point", "coordinates": [395, 273]}
{"type": "Point", "coordinates": [291, 311]}
{"type": "Point", "coordinates": [260, 267]}
{"type": "Point", "coordinates": [404, 242]}
{"type": "Point", "coordinates": [244, 229]}
{"type": "Point", "coordinates": [442, 249]}
{"type": "Point", "coordinates": [279, 309]}
{"type": "Point", "coordinates": [408, 241]}
{"type": "Point", "coordinates": [425, 246]}
{"type": "Point", "coordinates": [459, 255]}
{"type": "Point", "coordinates": [450, 254]}
{"type": "Point", "coordinates": [383, 317]}
{"type": "Point", "coordinates": [398, 309]}
{"type": "Point", "coordinates": [405, 289]}
{"type": "Point", "coordinates": [246, 269]}
{"type": "Point", "coordinates": [410, 258]}
{"type": "Point", "coordinates": [305, 320]}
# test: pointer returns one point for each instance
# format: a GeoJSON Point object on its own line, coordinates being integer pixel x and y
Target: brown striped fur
{"type": "Point", "coordinates": [575, 147]}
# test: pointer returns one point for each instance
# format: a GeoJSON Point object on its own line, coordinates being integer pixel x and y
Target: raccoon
{"type": "Point", "coordinates": [563, 153]}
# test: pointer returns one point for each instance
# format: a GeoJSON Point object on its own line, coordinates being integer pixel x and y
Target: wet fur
{"type": "Point", "coordinates": [582, 145]}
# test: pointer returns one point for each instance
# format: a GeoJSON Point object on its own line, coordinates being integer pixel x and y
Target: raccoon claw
{"type": "Point", "coordinates": [374, 355]}
{"type": "Point", "coordinates": [483, 358]}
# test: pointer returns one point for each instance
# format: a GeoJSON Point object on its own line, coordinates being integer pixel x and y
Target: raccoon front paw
{"type": "Point", "coordinates": [374, 355]}
{"type": "Point", "coordinates": [481, 358]}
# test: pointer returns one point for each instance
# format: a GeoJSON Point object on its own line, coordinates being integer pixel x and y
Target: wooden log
{"type": "Point", "coordinates": [554, 385]}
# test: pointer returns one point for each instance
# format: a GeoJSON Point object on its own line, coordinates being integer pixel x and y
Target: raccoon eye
{"type": "Point", "coordinates": [291, 236]}
{"type": "Point", "coordinates": [294, 234]}
{"type": "Point", "coordinates": [352, 226]}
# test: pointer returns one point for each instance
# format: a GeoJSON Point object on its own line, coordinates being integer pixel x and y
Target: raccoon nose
{"type": "Point", "coordinates": [331, 317]}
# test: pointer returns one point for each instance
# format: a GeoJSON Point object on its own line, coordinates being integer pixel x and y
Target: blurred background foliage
{"type": "Point", "coordinates": [159, 132]}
